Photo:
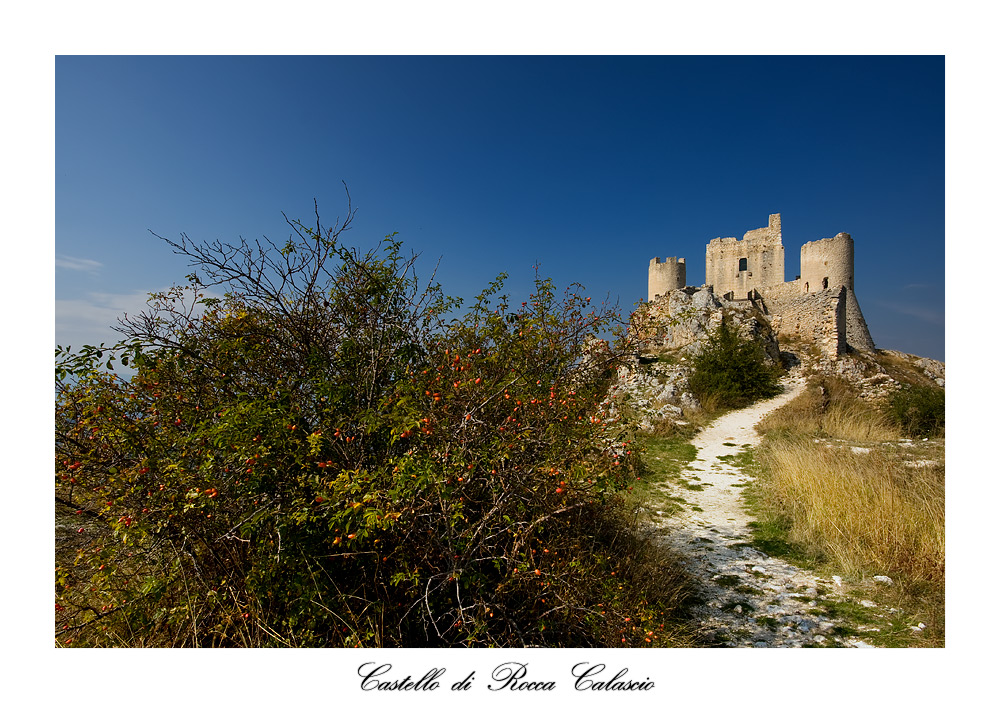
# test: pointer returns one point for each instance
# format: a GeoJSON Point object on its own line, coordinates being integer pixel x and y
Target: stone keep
{"type": "Point", "coordinates": [739, 266]}
{"type": "Point", "coordinates": [820, 304]}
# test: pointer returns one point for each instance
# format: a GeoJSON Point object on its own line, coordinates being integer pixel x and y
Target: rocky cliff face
{"type": "Point", "coordinates": [679, 322]}
{"type": "Point", "coordinates": [669, 333]}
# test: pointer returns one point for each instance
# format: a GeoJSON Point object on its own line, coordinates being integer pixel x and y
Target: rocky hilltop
{"type": "Point", "coordinates": [670, 331]}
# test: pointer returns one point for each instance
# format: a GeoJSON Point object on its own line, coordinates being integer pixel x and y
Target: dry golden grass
{"type": "Point", "coordinates": [875, 510]}
{"type": "Point", "coordinates": [865, 512]}
{"type": "Point", "coordinates": [801, 415]}
{"type": "Point", "coordinates": [855, 421]}
{"type": "Point", "coordinates": [831, 408]}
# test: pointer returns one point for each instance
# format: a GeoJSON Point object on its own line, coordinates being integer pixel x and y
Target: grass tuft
{"type": "Point", "coordinates": [831, 408]}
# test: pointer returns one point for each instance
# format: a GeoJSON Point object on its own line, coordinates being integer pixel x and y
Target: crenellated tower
{"type": "Point", "coordinates": [665, 276]}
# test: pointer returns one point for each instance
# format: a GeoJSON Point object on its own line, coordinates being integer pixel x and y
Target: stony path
{"type": "Point", "coordinates": [750, 599]}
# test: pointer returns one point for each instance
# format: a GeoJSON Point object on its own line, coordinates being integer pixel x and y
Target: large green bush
{"type": "Point", "coordinates": [321, 458]}
{"type": "Point", "coordinates": [731, 372]}
{"type": "Point", "coordinates": [919, 410]}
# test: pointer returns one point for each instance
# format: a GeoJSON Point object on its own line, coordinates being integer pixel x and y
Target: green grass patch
{"type": "Point", "coordinates": [919, 410]}
{"type": "Point", "coordinates": [728, 580]}
{"type": "Point", "coordinates": [663, 461]}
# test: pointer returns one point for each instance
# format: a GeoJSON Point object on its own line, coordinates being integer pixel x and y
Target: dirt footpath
{"type": "Point", "coordinates": [750, 599]}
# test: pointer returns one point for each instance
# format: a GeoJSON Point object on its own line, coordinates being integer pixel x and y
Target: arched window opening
{"type": "Point", "coordinates": [826, 283]}
{"type": "Point", "coordinates": [743, 264]}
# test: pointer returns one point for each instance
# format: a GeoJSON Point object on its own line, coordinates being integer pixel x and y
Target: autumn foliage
{"type": "Point", "coordinates": [334, 454]}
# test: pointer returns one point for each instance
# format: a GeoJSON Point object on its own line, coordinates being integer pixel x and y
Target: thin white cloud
{"type": "Point", "coordinates": [74, 264]}
{"type": "Point", "coordinates": [930, 315]}
{"type": "Point", "coordinates": [89, 320]}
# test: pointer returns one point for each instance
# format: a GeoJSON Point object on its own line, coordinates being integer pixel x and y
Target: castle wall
{"type": "Point", "coordinates": [665, 276]}
{"type": "Point", "coordinates": [764, 257]}
{"type": "Point", "coordinates": [858, 335]}
{"type": "Point", "coordinates": [821, 317]}
{"type": "Point", "coordinates": [782, 291]}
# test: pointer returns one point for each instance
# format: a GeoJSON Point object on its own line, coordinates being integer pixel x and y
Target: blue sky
{"type": "Point", "coordinates": [589, 165]}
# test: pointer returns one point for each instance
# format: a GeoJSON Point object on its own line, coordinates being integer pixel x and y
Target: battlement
{"type": "Point", "coordinates": [770, 235]}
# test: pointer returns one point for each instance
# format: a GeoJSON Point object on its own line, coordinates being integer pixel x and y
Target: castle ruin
{"type": "Point", "coordinates": [820, 304]}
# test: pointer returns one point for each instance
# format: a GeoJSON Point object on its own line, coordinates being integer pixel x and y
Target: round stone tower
{"type": "Point", "coordinates": [665, 276]}
{"type": "Point", "coordinates": [828, 263]}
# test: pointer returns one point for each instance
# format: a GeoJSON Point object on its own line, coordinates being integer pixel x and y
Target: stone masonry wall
{"type": "Point", "coordinates": [821, 317]}
{"type": "Point", "coordinates": [858, 335]}
{"type": "Point", "coordinates": [764, 255]}
{"type": "Point", "coordinates": [781, 291]}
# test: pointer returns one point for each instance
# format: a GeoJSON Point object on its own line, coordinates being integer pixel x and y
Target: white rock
{"type": "Point", "coordinates": [868, 604]}
{"type": "Point", "coordinates": [839, 581]}
{"type": "Point", "coordinates": [883, 579]}
{"type": "Point", "coordinates": [759, 569]}
{"type": "Point", "coordinates": [759, 644]}
{"type": "Point", "coordinates": [819, 639]}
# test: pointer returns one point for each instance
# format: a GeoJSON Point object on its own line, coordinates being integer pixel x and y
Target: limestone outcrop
{"type": "Point", "coordinates": [679, 322]}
